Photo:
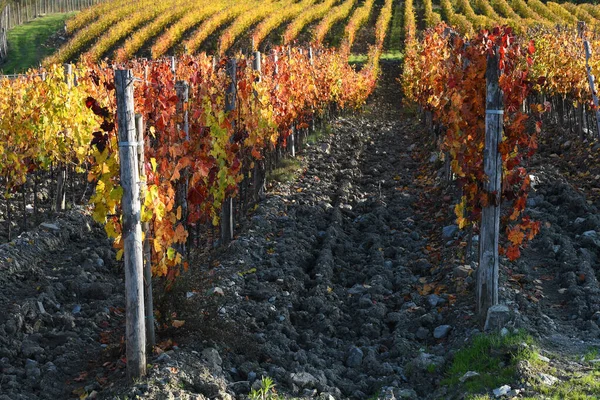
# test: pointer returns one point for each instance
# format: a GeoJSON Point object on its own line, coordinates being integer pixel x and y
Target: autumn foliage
{"type": "Point", "coordinates": [445, 74]}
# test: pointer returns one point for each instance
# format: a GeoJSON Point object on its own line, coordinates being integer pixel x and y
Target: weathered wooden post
{"type": "Point", "coordinates": [132, 228]}
{"type": "Point", "coordinates": [230, 105]}
{"type": "Point", "coordinates": [183, 93]}
{"type": "Point", "coordinates": [487, 273]}
{"type": "Point", "coordinates": [259, 178]}
{"type": "Point", "coordinates": [174, 67]}
{"type": "Point", "coordinates": [149, 304]}
{"type": "Point", "coordinates": [61, 195]}
{"type": "Point", "coordinates": [592, 82]}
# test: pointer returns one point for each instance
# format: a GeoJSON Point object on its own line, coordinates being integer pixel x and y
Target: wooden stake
{"type": "Point", "coordinates": [487, 273]}
{"type": "Point", "coordinates": [61, 195]}
{"type": "Point", "coordinates": [132, 229]}
{"type": "Point", "coordinates": [230, 105]}
{"type": "Point", "coordinates": [591, 81]}
{"type": "Point", "coordinates": [149, 303]}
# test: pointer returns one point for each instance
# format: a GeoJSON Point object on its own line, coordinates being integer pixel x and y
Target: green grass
{"type": "Point", "coordinates": [388, 55]}
{"type": "Point", "coordinates": [581, 387]}
{"type": "Point", "coordinates": [318, 134]}
{"type": "Point", "coordinates": [494, 357]}
{"type": "Point", "coordinates": [288, 170]}
{"type": "Point", "coordinates": [396, 32]}
{"type": "Point", "coordinates": [592, 354]}
{"type": "Point", "coordinates": [26, 43]}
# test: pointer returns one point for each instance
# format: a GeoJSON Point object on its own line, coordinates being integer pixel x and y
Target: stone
{"type": "Point", "coordinates": [304, 380]}
{"type": "Point", "coordinates": [449, 231]}
{"type": "Point", "coordinates": [240, 387]}
{"type": "Point", "coordinates": [441, 331]}
{"type": "Point", "coordinates": [463, 271]}
{"type": "Point", "coordinates": [32, 370]}
{"type": "Point", "coordinates": [406, 394]}
{"type": "Point", "coordinates": [546, 379]}
{"type": "Point", "coordinates": [355, 357]}
{"type": "Point", "coordinates": [590, 234]}
{"type": "Point", "coordinates": [502, 391]}
{"type": "Point", "coordinates": [425, 361]}
{"type": "Point", "coordinates": [217, 291]}
{"type": "Point", "coordinates": [433, 300]}
{"type": "Point", "coordinates": [422, 333]}
{"type": "Point", "coordinates": [357, 289]}
{"type": "Point", "coordinates": [326, 396]}
{"type": "Point", "coordinates": [543, 358]}
{"type": "Point", "coordinates": [503, 332]}
{"type": "Point", "coordinates": [163, 358]}
{"type": "Point", "coordinates": [213, 358]}
{"type": "Point", "coordinates": [52, 227]}
{"type": "Point", "coordinates": [468, 375]}
{"type": "Point", "coordinates": [497, 317]}
{"type": "Point", "coordinates": [97, 291]}
{"type": "Point", "coordinates": [31, 349]}
{"type": "Point", "coordinates": [387, 393]}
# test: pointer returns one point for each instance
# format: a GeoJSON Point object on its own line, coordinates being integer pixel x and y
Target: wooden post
{"type": "Point", "coordinates": [257, 64]}
{"type": "Point", "coordinates": [230, 105]}
{"type": "Point", "coordinates": [276, 62]}
{"type": "Point", "coordinates": [173, 67]}
{"type": "Point", "coordinates": [259, 174]}
{"type": "Point", "coordinates": [591, 81]}
{"type": "Point", "coordinates": [487, 273]}
{"type": "Point", "coordinates": [61, 195]}
{"type": "Point", "coordinates": [183, 93]}
{"type": "Point", "coordinates": [132, 228]}
{"type": "Point", "coordinates": [149, 304]}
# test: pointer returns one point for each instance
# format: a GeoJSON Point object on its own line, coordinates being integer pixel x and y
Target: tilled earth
{"type": "Point", "coordinates": [349, 282]}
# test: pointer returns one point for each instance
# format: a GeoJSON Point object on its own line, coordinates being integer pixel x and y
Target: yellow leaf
{"type": "Point", "coordinates": [177, 323]}
{"type": "Point", "coordinates": [179, 213]}
{"type": "Point", "coordinates": [119, 255]}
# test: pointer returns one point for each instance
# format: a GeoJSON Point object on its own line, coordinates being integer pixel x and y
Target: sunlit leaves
{"type": "Point", "coordinates": [445, 74]}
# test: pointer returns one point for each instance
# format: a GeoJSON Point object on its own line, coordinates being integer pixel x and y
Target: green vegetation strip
{"type": "Point", "coordinates": [27, 43]}
{"type": "Point", "coordinates": [363, 58]}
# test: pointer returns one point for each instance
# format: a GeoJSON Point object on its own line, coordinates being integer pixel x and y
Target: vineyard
{"type": "Point", "coordinates": [282, 212]}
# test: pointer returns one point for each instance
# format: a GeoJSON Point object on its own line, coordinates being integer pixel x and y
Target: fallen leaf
{"type": "Point", "coordinates": [82, 376]}
{"type": "Point", "coordinates": [177, 323]}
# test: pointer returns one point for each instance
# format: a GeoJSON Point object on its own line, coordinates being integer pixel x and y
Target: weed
{"type": "Point", "coordinates": [266, 391]}
{"type": "Point", "coordinates": [288, 170]}
{"type": "Point", "coordinates": [592, 354]}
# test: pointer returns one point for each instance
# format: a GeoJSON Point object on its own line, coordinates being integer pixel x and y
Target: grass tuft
{"type": "Point", "coordinates": [494, 357]}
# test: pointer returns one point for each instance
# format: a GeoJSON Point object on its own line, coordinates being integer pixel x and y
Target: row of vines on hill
{"type": "Point", "coordinates": [470, 16]}
{"type": "Point", "coordinates": [121, 29]}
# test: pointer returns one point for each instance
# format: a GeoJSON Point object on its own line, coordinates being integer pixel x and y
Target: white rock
{"type": "Point", "coordinates": [502, 391]}
{"type": "Point", "coordinates": [546, 379]}
{"type": "Point", "coordinates": [217, 291]}
{"type": "Point", "coordinates": [543, 358]}
{"type": "Point", "coordinates": [468, 375]}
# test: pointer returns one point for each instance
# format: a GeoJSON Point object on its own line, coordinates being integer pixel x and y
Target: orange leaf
{"type": "Point", "coordinates": [177, 323]}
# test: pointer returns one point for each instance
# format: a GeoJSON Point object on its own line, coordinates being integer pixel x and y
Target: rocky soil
{"type": "Point", "coordinates": [351, 282]}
